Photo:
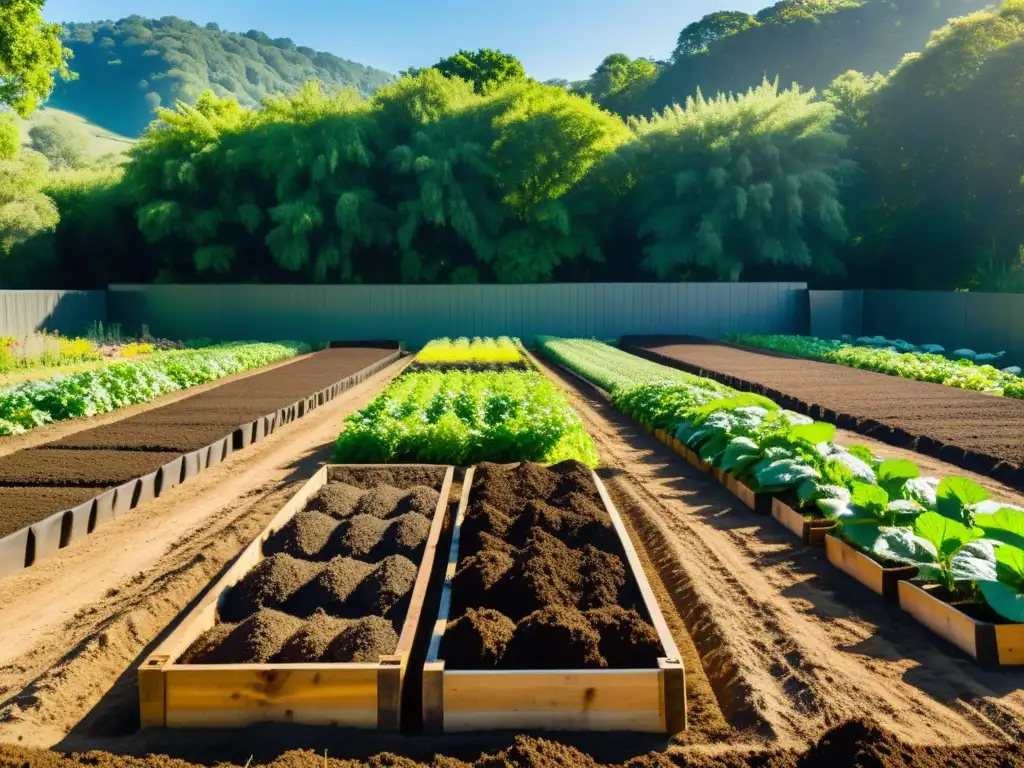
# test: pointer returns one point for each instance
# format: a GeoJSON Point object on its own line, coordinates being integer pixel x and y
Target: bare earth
{"type": "Point", "coordinates": [793, 646]}
{"type": "Point", "coordinates": [73, 624]}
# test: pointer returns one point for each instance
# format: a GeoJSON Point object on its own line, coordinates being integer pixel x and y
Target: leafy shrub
{"type": "Point", "coordinates": [501, 350]}
{"type": "Point", "coordinates": [117, 385]}
{"type": "Point", "coordinates": [463, 418]}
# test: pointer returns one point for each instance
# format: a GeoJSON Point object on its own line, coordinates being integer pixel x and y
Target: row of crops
{"type": "Point", "coordinates": [930, 363]}
{"type": "Point", "coordinates": [967, 547]}
{"type": "Point", "coordinates": [492, 413]}
{"type": "Point", "coordinates": [118, 385]}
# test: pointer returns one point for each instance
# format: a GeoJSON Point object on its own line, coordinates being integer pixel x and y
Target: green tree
{"type": "Point", "coordinates": [943, 159]}
{"type": "Point", "coordinates": [850, 94]}
{"type": "Point", "coordinates": [30, 52]}
{"type": "Point", "coordinates": [25, 212]}
{"type": "Point", "coordinates": [698, 36]}
{"type": "Point", "coordinates": [485, 69]}
{"type": "Point", "coordinates": [10, 139]}
{"type": "Point", "coordinates": [64, 144]}
{"type": "Point", "coordinates": [730, 183]}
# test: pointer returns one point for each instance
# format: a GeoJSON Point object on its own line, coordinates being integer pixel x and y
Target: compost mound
{"type": "Point", "coordinates": [336, 582]}
{"type": "Point", "coordinates": [271, 584]}
{"type": "Point", "coordinates": [308, 535]}
{"type": "Point", "coordinates": [542, 581]}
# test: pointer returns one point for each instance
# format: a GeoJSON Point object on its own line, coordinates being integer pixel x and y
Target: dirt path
{"type": "Point", "coordinates": [57, 430]}
{"type": "Point", "coordinates": [791, 645]}
{"type": "Point", "coordinates": [74, 623]}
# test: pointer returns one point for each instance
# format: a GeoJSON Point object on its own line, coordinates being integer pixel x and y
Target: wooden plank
{"type": "Point", "coordinates": [1010, 643]}
{"type": "Point", "coordinates": [433, 697]}
{"type": "Point", "coordinates": [239, 694]}
{"type": "Point", "coordinates": [444, 610]}
{"type": "Point", "coordinates": [941, 618]}
{"type": "Point", "coordinates": [419, 590]}
{"type": "Point", "coordinates": [236, 695]}
{"type": "Point", "coordinates": [585, 700]}
{"type": "Point", "coordinates": [650, 601]}
{"type": "Point", "coordinates": [871, 574]}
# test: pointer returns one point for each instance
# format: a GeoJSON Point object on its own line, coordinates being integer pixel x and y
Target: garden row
{"type": "Point", "coordinates": [953, 557]}
{"type": "Point", "coordinates": [967, 371]}
{"type": "Point", "coordinates": [545, 619]}
{"type": "Point", "coordinates": [538, 612]}
{"type": "Point", "coordinates": [56, 493]}
{"type": "Point", "coordinates": [977, 432]}
{"type": "Point", "coordinates": [118, 385]}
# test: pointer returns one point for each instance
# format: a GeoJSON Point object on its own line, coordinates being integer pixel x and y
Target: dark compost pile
{"type": "Point", "coordinates": [542, 580]}
{"type": "Point", "coordinates": [337, 579]}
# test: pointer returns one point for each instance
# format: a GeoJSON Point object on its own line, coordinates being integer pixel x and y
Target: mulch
{"type": "Point", "coordinates": [116, 453]}
{"type": "Point", "coordinates": [981, 433]}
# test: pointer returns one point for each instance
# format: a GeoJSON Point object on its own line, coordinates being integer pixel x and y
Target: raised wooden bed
{"type": "Point", "coordinates": [989, 644]}
{"type": "Point", "coordinates": [359, 695]}
{"type": "Point", "coordinates": [809, 530]}
{"type": "Point", "coordinates": [880, 580]}
{"type": "Point", "coordinates": [648, 700]}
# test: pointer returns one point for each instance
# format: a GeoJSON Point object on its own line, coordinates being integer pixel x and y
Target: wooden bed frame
{"type": "Point", "coordinates": [234, 695]}
{"type": "Point", "coordinates": [650, 700]}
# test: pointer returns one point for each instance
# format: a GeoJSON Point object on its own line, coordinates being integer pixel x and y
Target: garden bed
{"type": "Point", "coordinates": [315, 621]}
{"type": "Point", "coordinates": [972, 430]}
{"type": "Point", "coordinates": [130, 462]}
{"type": "Point", "coordinates": [546, 619]}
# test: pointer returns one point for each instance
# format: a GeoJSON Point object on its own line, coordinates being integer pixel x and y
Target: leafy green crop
{"type": "Point", "coordinates": [895, 360]}
{"type": "Point", "coordinates": [121, 384]}
{"type": "Point", "coordinates": [466, 417]}
{"type": "Point", "coordinates": [950, 530]}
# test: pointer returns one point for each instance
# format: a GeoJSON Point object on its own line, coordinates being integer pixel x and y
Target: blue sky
{"type": "Point", "coordinates": [553, 38]}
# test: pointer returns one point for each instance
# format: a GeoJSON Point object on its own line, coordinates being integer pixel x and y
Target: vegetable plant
{"type": "Point", "coordinates": [463, 350]}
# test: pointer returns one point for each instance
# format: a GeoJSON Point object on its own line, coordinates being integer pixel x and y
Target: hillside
{"type": "Point", "coordinates": [809, 42]}
{"type": "Point", "coordinates": [100, 142]}
{"type": "Point", "coordinates": [127, 68]}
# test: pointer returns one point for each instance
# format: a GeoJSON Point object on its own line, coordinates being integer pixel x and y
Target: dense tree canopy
{"type": "Point", "coordinates": [485, 69]}
{"type": "Point", "coordinates": [130, 67]}
{"type": "Point", "coordinates": [10, 138]}
{"type": "Point", "coordinates": [944, 161]}
{"type": "Point", "coordinates": [30, 53]}
{"type": "Point", "coordinates": [809, 42]}
{"type": "Point", "coordinates": [733, 182]}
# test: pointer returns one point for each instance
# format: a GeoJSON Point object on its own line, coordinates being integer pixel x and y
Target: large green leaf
{"type": "Point", "coordinates": [739, 455]}
{"type": "Point", "coordinates": [946, 535]}
{"type": "Point", "coordinates": [894, 474]}
{"type": "Point", "coordinates": [956, 495]}
{"type": "Point", "coordinates": [974, 561]}
{"type": "Point", "coordinates": [901, 545]}
{"type": "Point", "coordinates": [783, 474]}
{"type": "Point", "coordinates": [1006, 525]}
{"type": "Point", "coordinates": [1006, 594]}
{"type": "Point", "coordinates": [813, 434]}
{"type": "Point", "coordinates": [920, 490]}
{"type": "Point", "coordinates": [861, 534]}
{"type": "Point", "coordinates": [870, 497]}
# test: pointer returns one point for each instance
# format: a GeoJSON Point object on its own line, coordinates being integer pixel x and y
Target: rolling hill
{"type": "Point", "coordinates": [127, 68]}
{"type": "Point", "coordinates": [100, 142]}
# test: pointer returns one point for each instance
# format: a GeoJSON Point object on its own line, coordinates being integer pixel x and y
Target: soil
{"type": "Point", "coordinates": [90, 469]}
{"type": "Point", "coordinates": [318, 569]}
{"type": "Point", "coordinates": [527, 564]}
{"type": "Point", "coordinates": [978, 432]}
{"type": "Point", "coordinates": [137, 435]}
{"type": "Point", "coordinates": [93, 464]}
{"type": "Point", "coordinates": [789, 645]}
{"type": "Point", "coordinates": [26, 505]}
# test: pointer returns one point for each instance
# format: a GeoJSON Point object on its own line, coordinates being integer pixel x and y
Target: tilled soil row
{"type": "Point", "coordinates": [53, 494]}
{"type": "Point", "coordinates": [337, 580]}
{"type": "Point", "coordinates": [542, 582]}
{"type": "Point", "coordinates": [980, 433]}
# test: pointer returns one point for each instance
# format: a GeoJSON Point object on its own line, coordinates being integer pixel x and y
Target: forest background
{"type": "Point", "coordinates": [870, 143]}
